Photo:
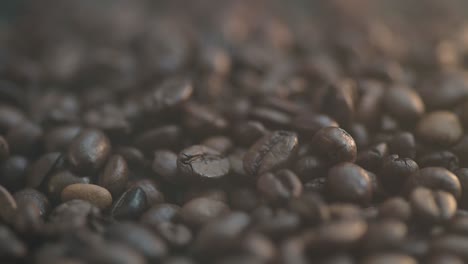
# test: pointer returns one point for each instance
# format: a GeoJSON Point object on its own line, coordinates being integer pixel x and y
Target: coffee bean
{"type": "Point", "coordinates": [10, 245]}
{"type": "Point", "coordinates": [13, 171]}
{"type": "Point", "coordinates": [159, 214]}
{"type": "Point", "coordinates": [153, 192]}
{"type": "Point", "coordinates": [336, 235]}
{"type": "Point", "coordinates": [10, 117]}
{"type": "Point", "coordinates": [134, 157]}
{"type": "Point", "coordinates": [403, 144]}
{"type": "Point", "coordinates": [309, 124]}
{"type": "Point", "coordinates": [202, 163]}
{"type": "Point", "coordinates": [403, 103]}
{"type": "Point", "coordinates": [4, 149]}
{"type": "Point", "coordinates": [311, 208]}
{"type": "Point", "coordinates": [219, 143]}
{"type": "Point", "coordinates": [201, 119]}
{"type": "Point", "coordinates": [95, 194]}
{"type": "Point", "coordinates": [310, 167]}
{"type": "Point", "coordinates": [432, 206]}
{"type": "Point", "coordinates": [395, 208]}
{"type": "Point", "coordinates": [448, 89]}
{"type": "Point", "coordinates": [275, 223]}
{"type": "Point", "coordinates": [384, 235]}
{"type": "Point", "coordinates": [247, 133]}
{"type": "Point", "coordinates": [28, 219]}
{"type": "Point", "coordinates": [396, 172]}
{"type": "Point", "coordinates": [349, 183]}
{"type": "Point", "coordinates": [89, 151]}
{"type": "Point", "coordinates": [200, 211]}
{"type": "Point", "coordinates": [7, 205]}
{"type": "Point", "coordinates": [451, 244]}
{"type": "Point", "coordinates": [244, 199]}
{"type": "Point", "coordinates": [59, 138]}
{"type": "Point", "coordinates": [170, 94]}
{"type": "Point", "coordinates": [162, 137]}
{"type": "Point", "coordinates": [60, 180]}
{"type": "Point", "coordinates": [165, 165]}
{"type": "Point", "coordinates": [316, 185]}
{"type": "Point", "coordinates": [176, 235]}
{"type": "Point", "coordinates": [339, 101]}
{"type": "Point", "coordinates": [115, 175]}
{"type": "Point", "coordinates": [389, 258]}
{"type": "Point", "coordinates": [335, 144]}
{"type": "Point", "coordinates": [372, 158]}
{"type": "Point", "coordinates": [131, 204]}
{"type": "Point", "coordinates": [272, 151]}
{"type": "Point", "coordinates": [445, 159]}
{"type": "Point", "coordinates": [139, 239]}
{"type": "Point", "coordinates": [32, 196]}
{"type": "Point", "coordinates": [41, 169]}
{"type": "Point", "coordinates": [24, 138]}
{"type": "Point", "coordinates": [437, 178]}
{"type": "Point", "coordinates": [279, 186]}
{"type": "Point", "coordinates": [441, 128]}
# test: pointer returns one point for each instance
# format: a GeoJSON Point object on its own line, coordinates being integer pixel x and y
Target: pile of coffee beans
{"type": "Point", "coordinates": [233, 132]}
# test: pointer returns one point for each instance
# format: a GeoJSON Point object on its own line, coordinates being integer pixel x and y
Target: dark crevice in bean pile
{"type": "Point", "coordinates": [225, 132]}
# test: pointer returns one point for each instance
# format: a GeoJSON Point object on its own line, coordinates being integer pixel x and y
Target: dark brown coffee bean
{"type": "Point", "coordinates": [94, 194]}
{"type": "Point", "coordinates": [316, 185]}
{"type": "Point", "coordinates": [461, 150]}
{"type": "Point", "coordinates": [10, 117]}
{"type": "Point", "coordinates": [403, 103]}
{"type": "Point", "coordinates": [59, 138]}
{"type": "Point", "coordinates": [209, 193]}
{"type": "Point", "coordinates": [13, 171]}
{"type": "Point", "coordinates": [131, 204]}
{"type": "Point", "coordinates": [447, 90]}
{"type": "Point", "coordinates": [170, 94]}
{"type": "Point", "coordinates": [451, 244]}
{"type": "Point", "coordinates": [247, 133]}
{"type": "Point", "coordinates": [138, 238]}
{"type": "Point", "coordinates": [89, 151]}
{"type": "Point", "coordinates": [432, 206]}
{"type": "Point", "coordinates": [349, 183]}
{"type": "Point", "coordinates": [336, 235]}
{"type": "Point", "coordinates": [4, 149]}
{"type": "Point", "coordinates": [7, 205]}
{"type": "Point", "coordinates": [339, 101]}
{"type": "Point", "coordinates": [387, 258]}
{"type": "Point", "coordinates": [445, 259]}
{"type": "Point", "coordinates": [32, 196]}
{"type": "Point", "coordinates": [162, 137]}
{"type": "Point", "coordinates": [372, 158]}
{"type": "Point", "coordinates": [165, 165]}
{"type": "Point", "coordinates": [71, 215]}
{"type": "Point", "coordinates": [335, 144]}
{"type": "Point", "coordinates": [60, 180]}
{"type": "Point", "coordinates": [370, 106]}
{"type": "Point", "coordinates": [445, 159]}
{"type": "Point", "coordinates": [311, 208]}
{"type": "Point", "coordinates": [272, 151]}
{"type": "Point", "coordinates": [275, 223]}
{"type": "Point", "coordinates": [113, 252]}
{"type": "Point", "coordinates": [115, 175]}
{"type": "Point", "coordinates": [219, 143]}
{"type": "Point", "coordinates": [202, 163]}
{"type": "Point", "coordinates": [159, 214]}
{"type": "Point", "coordinates": [10, 245]}
{"type": "Point", "coordinates": [441, 128]}
{"type": "Point", "coordinates": [437, 178]}
{"type": "Point", "coordinates": [279, 186]}
{"type": "Point", "coordinates": [395, 208]}
{"type": "Point", "coordinates": [203, 120]}
{"type": "Point", "coordinates": [360, 135]}
{"type": "Point", "coordinates": [133, 156]}
{"type": "Point", "coordinates": [152, 191]}
{"type": "Point", "coordinates": [244, 199]}
{"type": "Point", "coordinates": [24, 138]}
{"type": "Point", "coordinates": [28, 219]}
{"type": "Point", "coordinates": [403, 144]}
{"type": "Point", "coordinates": [396, 172]}
{"type": "Point", "coordinates": [270, 117]}
{"type": "Point", "coordinates": [41, 169]}
{"type": "Point", "coordinates": [309, 124]}
{"type": "Point", "coordinates": [200, 211]}
{"type": "Point", "coordinates": [310, 167]}
{"type": "Point", "coordinates": [384, 235]}
{"type": "Point", "coordinates": [176, 235]}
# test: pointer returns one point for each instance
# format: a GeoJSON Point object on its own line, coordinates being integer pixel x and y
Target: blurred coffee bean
{"type": "Point", "coordinates": [201, 211]}
{"type": "Point", "coordinates": [162, 137]}
{"type": "Point", "coordinates": [437, 178]}
{"type": "Point", "coordinates": [42, 168]}
{"type": "Point", "coordinates": [445, 259]}
{"type": "Point", "coordinates": [247, 133]}
{"type": "Point", "coordinates": [396, 172]}
{"type": "Point", "coordinates": [441, 128]}
{"type": "Point", "coordinates": [389, 258]}
{"type": "Point", "coordinates": [32, 196]}
{"type": "Point", "coordinates": [339, 102]}
{"type": "Point", "coordinates": [152, 191]}
{"type": "Point", "coordinates": [58, 181]}
{"type": "Point", "coordinates": [311, 208]}
{"type": "Point", "coordinates": [219, 143]}
{"type": "Point", "coordinates": [349, 183]}
{"type": "Point", "coordinates": [25, 138]}
{"type": "Point", "coordinates": [11, 247]}
{"type": "Point", "coordinates": [403, 144]}
{"type": "Point", "coordinates": [310, 167]}
{"type": "Point", "coordinates": [159, 214]}
{"type": "Point", "coordinates": [176, 235]}
{"type": "Point", "coordinates": [279, 186]}
{"type": "Point", "coordinates": [309, 124]}
{"type": "Point", "coordinates": [445, 159]}
{"type": "Point", "coordinates": [335, 144]}
{"type": "Point", "coordinates": [198, 163]}
{"type": "Point", "coordinates": [171, 94]}
{"type": "Point", "coordinates": [451, 244]}
{"type": "Point", "coordinates": [403, 103]}
{"type": "Point", "coordinates": [432, 206]}
{"type": "Point", "coordinates": [384, 235]}
{"type": "Point", "coordinates": [89, 151]}
{"type": "Point", "coordinates": [272, 151]}
{"type": "Point", "coordinates": [60, 137]}
{"type": "Point", "coordinates": [462, 175]}
{"type": "Point", "coordinates": [372, 159]}
{"type": "Point", "coordinates": [336, 235]}
{"type": "Point", "coordinates": [7, 205]}
{"type": "Point", "coordinates": [115, 175]}
{"type": "Point", "coordinates": [13, 171]}
{"type": "Point", "coordinates": [395, 208]}
{"type": "Point", "coordinates": [94, 194]}
{"type": "Point", "coordinates": [10, 117]}
{"type": "Point", "coordinates": [165, 165]}
{"type": "Point", "coordinates": [131, 204]}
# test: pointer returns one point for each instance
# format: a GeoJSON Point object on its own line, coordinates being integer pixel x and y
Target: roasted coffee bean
{"type": "Point", "coordinates": [42, 168]}
{"type": "Point", "coordinates": [309, 124]}
{"type": "Point", "coordinates": [396, 172]}
{"type": "Point", "coordinates": [244, 199]}
{"type": "Point", "coordinates": [70, 216]}
{"type": "Point", "coordinates": [335, 144]}
{"type": "Point", "coordinates": [372, 158]}
{"type": "Point", "coordinates": [448, 89]}
{"type": "Point", "coordinates": [336, 235]}
{"type": "Point", "coordinates": [389, 258]}
{"type": "Point", "coordinates": [270, 117]}
{"type": "Point", "coordinates": [13, 172]}
{"type": "Point", "coordinates": [445, 159]}
{"type": "Point", "coordinates": [349, 183]}
{"type": "Point", "coordinates": [198, 162]}
{"type": "Point", "coordinates": [10, 117]}
{"type": "Point", "coordinates": [384, 235]}
{"type": "Point", "coordinates": [247, 133]}
{"type": "Point", "coordinates": [403, 144]}
{"type": "Point", "coordinates": [311, 208]}
{"type": "Point", "coordinates": [25, 138]}
{"type": "Point", "coordinates": [437, 178]}
{"type": "Point", "coordinates": [94, 194]}
{"type": "Point", "coordinates": [152, 191]}
{"type": "Point", "coordinates": [7, 205]}
{"type": "Point", "coordinates": [219, 143]}
{"type": "Point", "coordinates": [275, 223]}
{"type": "Point", "coordinates": [32, 196]}
{"type": "Point", "coordinates": [28, 219]}
{"type": "Point", "coordinates": [10, 245]}
{"type": "Point", "coordinates": [89, 151]}
{"type": "Point", "coordinates": [131, 204]}
{"type": "Point", "coordinates": [176, 235]}
{"type": "Point", "coordinates": [4, 149]}
{"type": "Point", "coordinates": [60, 180]}
{"type": "Point", "coordinates": [360, 135]}
{"type": "Point", "coordinates": [310, 167]}
{"type": "Point", "coordinates": [279, 186]}
{"type": "Point", "coordinates": [395, 208]}
{"type": "Point", "coordinates": [115, 175]}
{"type": "Point", "coordinates": [159, 214]}
{"type": "Point", "coordinates": [171, 94]}
{"type": "Point", "coordinates": [403, 103]}
{"type": "Point", "coordinates": [272, 151]}
{"type": "Point", "coordinates": [59, 138]}
{"type": "Point", "coordinates": [339, 101]}
{"type": "Point", "coordinates": [200, 211]}
{"type": "Point", "coordinates": [441, 128]}
{"type": "Point", "coordinates": [165, 165]}
{"type": "Point", "coordinates": [157, 138]}
{"type": "Point", "coordinates": [451, 244]}
{"type": "Point", "coordinates": [139, 239]}
{"type": "Point", "coordinates": [315, 185]}
{"type": "Point", "coordinates": [432, 206]}
{"type": "Point", "coordinates": [203, 120]}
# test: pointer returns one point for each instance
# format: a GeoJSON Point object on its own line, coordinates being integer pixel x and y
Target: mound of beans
{"type": "Point", "coordinates": [185, 132]}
